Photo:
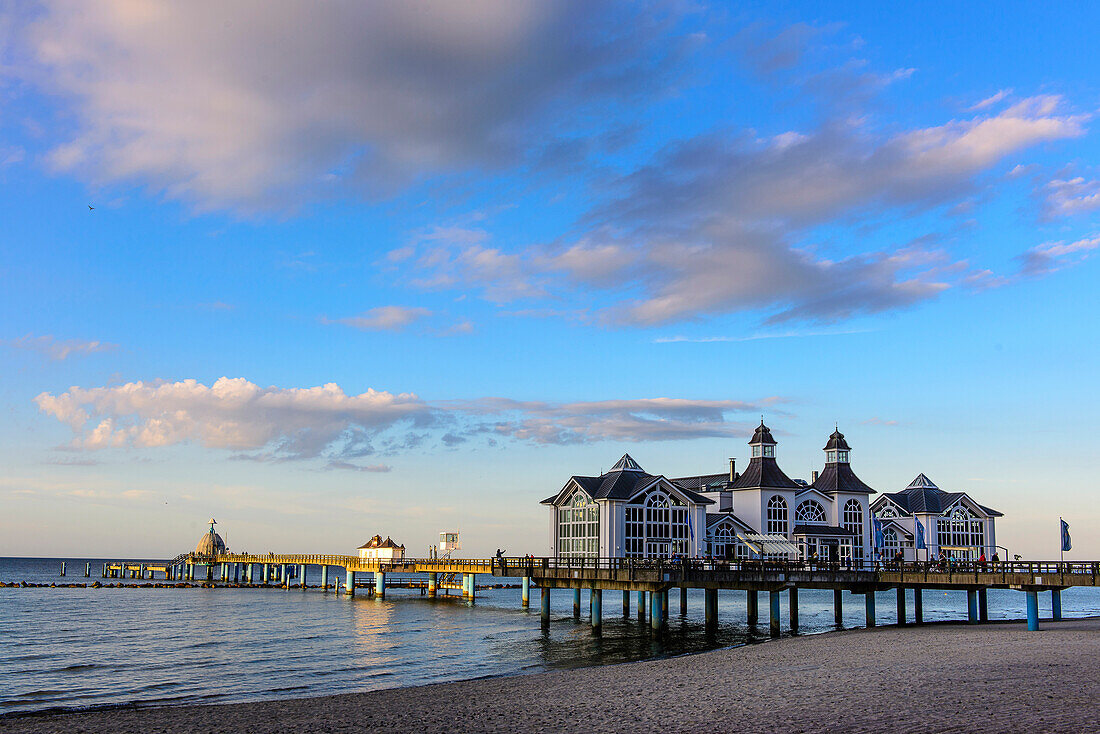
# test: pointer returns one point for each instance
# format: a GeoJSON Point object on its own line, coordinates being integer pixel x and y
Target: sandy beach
{"type": "Point", "coordinates": [997, 678]}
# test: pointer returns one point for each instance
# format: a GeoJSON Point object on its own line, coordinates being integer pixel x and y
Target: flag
{"type": "Point", "coordinates": [877, 525]}
{"type": "Point", "coordinates": [921, 544]}
{"type": "Point", "coordinates": [1066, 542]}
{"type": "Point", "coordinates": [691, 528]}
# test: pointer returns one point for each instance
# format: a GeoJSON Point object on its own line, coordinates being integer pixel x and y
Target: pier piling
{"type": "Point", "coordinates": [1033, 611]}
{"type": "Point", "coordinates": [683, 601]}
{"type": "Point", "coordinates": [710, 607]}
{"type": "Point", "coordinates": [773, 620]}
{"type": "Point", "coordinates": [63, 568]}
{"type": "Point", "coordinates": [526, 594]}
{"type": "Point", "coordinates": [1055, 604]}
{"type": "Point", "coordinates": [918, 606]}
{"type": "Point", "coordinates": [380, 585]}
{"type": "Point", "coordinates": [324, 577]}
{"type": "Point", "coordinates": [577, 603]}
{"type": "Point", "coordinates": [753, 605]}
{"type": "Point", "coordinates": [983, 606]}
{"type": "Point", "coordinates": [626, 603]}
{"type": "Point", "coordinates": [302, 576]}
{"type": "Point", "coordinates": [656, 620]}
{"type": "Point", "coordinates": [792, 603]}
{"type": "Point", "coordinates": [664, 607]}
{"type": "Point", "coordinates": [901, 605]}
{"type": "Point", "coordinates": [433, 583]}
{"type": "Point", "coordinates": [972, 606]}
{"type": "Point", "coordinates": [545, 606]}
{"type": "Point", "coordinates": [838, 606]}
{"type": "Point", "coordinates": [641, 606]}
{"type": "Point", "coordinates": [869, 602]}
{"type": "Point", "coordinates": [349, 583]}
{"type": "Point", "coordinates": [87, 570]}
{"type": "Point", "coordinates": [595, 603]}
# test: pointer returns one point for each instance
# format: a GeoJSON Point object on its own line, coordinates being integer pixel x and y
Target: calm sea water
{"type": "Point", "coordinates": [74, 648]}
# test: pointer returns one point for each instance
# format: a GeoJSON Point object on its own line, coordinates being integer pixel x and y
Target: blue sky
{"type": "Point", "coordinates": [405, 268]}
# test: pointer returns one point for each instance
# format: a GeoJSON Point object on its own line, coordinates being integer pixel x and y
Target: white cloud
{"type": "Point", "coordinates": [1068, 197]}
{"type": "Point", "coordinates": [59, 349]}
{"type": "Point", "coordinates": [1051, 256]}
{"type": "Point", "coordinates": [384, 318]}
{"type": "Point", "coordinates": [264, 105]}
{"type": "Point", "coordinates": [720, 222]}
{"type": "Point", "coordinates": [991, 100]}
{"type": "Point", "coordinates": [280, 424]}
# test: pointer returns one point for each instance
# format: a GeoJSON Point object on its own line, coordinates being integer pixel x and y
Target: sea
{"type": "Point", "coordinates": [81, 648]}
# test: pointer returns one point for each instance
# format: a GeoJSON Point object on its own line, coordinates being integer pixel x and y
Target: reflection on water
{"type": "Point", "coordinates": [81, 647]}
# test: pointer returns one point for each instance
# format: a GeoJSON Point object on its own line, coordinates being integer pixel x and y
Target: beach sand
{"type": "Point", "coordinates": [937, 678]}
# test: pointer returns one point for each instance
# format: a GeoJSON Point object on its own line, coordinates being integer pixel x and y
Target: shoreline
{"type": "Point", "coordinates": [938, 676]}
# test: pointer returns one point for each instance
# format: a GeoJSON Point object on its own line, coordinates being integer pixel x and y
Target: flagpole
{"type": "Point", "coordinates": [1061, 541]}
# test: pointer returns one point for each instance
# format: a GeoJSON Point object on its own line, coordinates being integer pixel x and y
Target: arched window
{"type": "Point", "coordinates": [890, 544]}
{"type": "Point", "coordinates": [777, 515]}
{"type": "Point", "coordinates": [852, 521]}
{"type": "Point", "coordinates": [887, 511]}
{"type": "Point", "coordinates": [721, 544]}
{"type": "Point", "coordinates": [657, 526]}
{"type": "Point", "coordinates": [961, 529]}
{"type": "Point", "coordinates": [579, 527]}
{"type": "Point", "coordinates": [810, 512]}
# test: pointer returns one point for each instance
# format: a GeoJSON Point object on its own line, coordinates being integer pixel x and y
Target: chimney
{"type": "Point", "coordinates": [813, 476]}
{"type": "Point", "coordinates": [733, 469]}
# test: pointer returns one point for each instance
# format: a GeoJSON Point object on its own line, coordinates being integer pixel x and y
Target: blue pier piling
{"type": "Point", "coordinates": [869, 601]}
{"type": "Point", "coordinates": [545, 606]}
{"type": "Point", "coordinates": [972, 606]}
{"type": "Point", "coordinates": [324, 578]}
{"type": "Point", "coordinates": [774, 612]}
{"type": "Point", "coordinates": [641, 606]}
{"type": "Point", "coordinates": [379, 585]}
{"type": "Point", "coordinates": [577, 603]}
{"type": "Point", "coordinates": [664, 606]}
{"type": "Point", "coordinates": [918, 605]}
{"type": "Point", "coordinates": [901, 605]}
{"type": "Point", "coordinates": [1056, 604]}
{"type": "Point", "coordinates": [1033, 610]}
{"type": "Point", "coordinates": [710, 607]}
{"type": "Point", "coordinates": [838, 607]}
{"type": "Point", "coordinates": [792, 607]}
{"type": "Point", "coordinates": [302, 576]}
{"type": "Point", "coordinates": [433, 584]}
{"type": "Point", "coordinates": [655, 621]}
{"type": "Point", "coordinates": [267, 573]}
{"type": "Point", "coordinates": [626, 603]}
{"type": "Point", "coordinates": [595, 602]}
{"type": "Point", "coordinates": [753, 606]}
{"type": "Point", "coordinates": [526, 597]}
{"type": "Point", "coordinates": [349, 583]}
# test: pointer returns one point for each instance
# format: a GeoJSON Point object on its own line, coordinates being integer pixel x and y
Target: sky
{"type": "Point", "coordinates": [326, 271]}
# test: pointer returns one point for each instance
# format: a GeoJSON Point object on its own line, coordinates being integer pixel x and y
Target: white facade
{"type": "Point", "coordinates": [628, 513]}
{"type": "Point", "coordinates": [377, 549]}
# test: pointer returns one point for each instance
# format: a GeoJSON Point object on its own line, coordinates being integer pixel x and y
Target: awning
{"type": "Point", "coordinates": [768, 544]}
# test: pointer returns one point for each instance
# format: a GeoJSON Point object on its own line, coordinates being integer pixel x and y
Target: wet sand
{"type": "Point", "coordinates": [937, 678]}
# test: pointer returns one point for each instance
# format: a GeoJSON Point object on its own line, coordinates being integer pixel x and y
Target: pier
{"type": "Point", "coordinates": [649, 581]}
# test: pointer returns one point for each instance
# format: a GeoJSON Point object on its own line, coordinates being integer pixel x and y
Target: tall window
{"type": "Point", "coordinates": [852, 521]}
{"type": "Point", "coordinates": [890, 543]}
{"type": "Point", "coordinates": [810, 512]}
{"type": "Point", "coordinates": [722, 544]}
{"type": "Point", "coordinates": [657, 527]}
{"type": "Point", "coordinates": [579, 528]}
{"type": "Point", "coordinates": [777, 515]}
{"type": "Point", "coordinates": [961, 529]}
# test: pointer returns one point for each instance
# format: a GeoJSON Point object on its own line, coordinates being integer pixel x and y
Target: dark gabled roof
{"type": "Point", "coordinates": [830, 530]}
{"type": "Point", "coordinates": [836, 441]}
{"type": "Point", "coordinates": [763, 434]}
{"type": "Point", "coordinates": [839, 477]}
{"type": "Point", "coordinates": [704, 482]}
{"type": "Point", "coordinates": [764, 472]}
{"type": "Point", "coordinates": [621, 485]}
{"type": "Point", "coordinates": [923, 496]}
{"type": "Point", "coordinates": [713, 518]}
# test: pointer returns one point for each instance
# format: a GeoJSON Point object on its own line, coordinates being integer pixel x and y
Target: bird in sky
{"type": "Point", "coordinates": [91, 208]}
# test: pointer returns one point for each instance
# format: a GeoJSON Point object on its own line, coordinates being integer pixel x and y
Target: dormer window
{"type": "Point", "coordinates": [842, 456]}
{"type": "Point", "coordinates": [769, 451]}
{"type": "Point", "coordinates": [830, 457]}
{"type": "Point", "coordinates": [756, 453]}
